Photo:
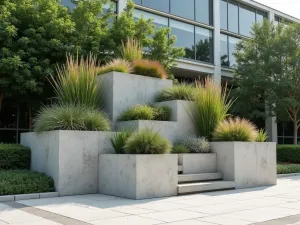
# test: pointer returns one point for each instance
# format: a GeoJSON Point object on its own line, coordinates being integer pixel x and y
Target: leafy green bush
{"type": "Point", "coordinates": [147, 141]}
{"type": "Point", "coordinates": [146, 112]}
{"type": "Point", "coordinates": [118, 141]}
{"type": "Point", "coordinates": [178, 92]}
{"type": "Point", "coordinates": [211, 107]}
{"type": "Point", "coordinates": [196, 145]}
{"type": "Point", "coordinates": [262, 136]}
{"type": "Point", "coordinates": [288, 168]}
{"type": "Point", "coordinates": [288, 153]}
{"type": "Point", "coordinates": [70, 117]}
{"type": "Point", "coordinates": [117, 65]}
{"type": "Point", "coordinates": [132, 50]}
{"type": "Point", "coordinates": [24, 182]}
{"type": "Point", "coordinates": [14, 156]}
{"type": "Point", "coordinates": [149, 68]}
{"type": "Point", "coordinates": [179, 149]}
{"type": "Point", "coordinates": [235, 129]}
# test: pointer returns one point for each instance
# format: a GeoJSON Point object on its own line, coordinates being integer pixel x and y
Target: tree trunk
{"type": "Point", "coordinates": [295, 132]}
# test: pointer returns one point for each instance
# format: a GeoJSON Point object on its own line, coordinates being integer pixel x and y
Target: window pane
{"type": "Point", "coordinates": [158, 21]}
{"type": "Point", "coordinates": [139, 2]}
{"type": "Point", "coordinates": [223, 15]}
{"type": "Point", "coordinates": [185, 37]}
{"type": "Point", "coordinates": [224, 50]}
{"type": "Point", "coordinates": [68, 4]}
{"type": "Point", "coordinates": [247, 19]}
{"type": "Point", "coordinates": [184, 8]}
{"type": "Point", "coordinates": [8, 136]}
{"type": "Point", "coordinates": [233, 17]}
{"type": "Point", "coordinates": [204, 46]}
{"type": "Point", "coordinates": [260, 16]}
{"type": "Point", "coordinates": [232, 47]}
{"type": "Point", "coordinates": [8, 115]}
{"type": "Point", "coordinates": [161, 5]}
{"type": "Point", "coordinates": [204, 11]}
{"type": "Point", "coordinates": [24, 115]}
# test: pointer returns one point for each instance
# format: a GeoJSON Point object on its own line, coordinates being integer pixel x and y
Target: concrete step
{"type": "Point", "coordinates": [184, 178]}
{"type": "Point", "coordinates": [205, 186]}
{"type": "Point", "coordinates": [180, 168]}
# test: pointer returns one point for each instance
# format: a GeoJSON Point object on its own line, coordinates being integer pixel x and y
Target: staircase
{"type": "Point", "coordinates": [202, 182]}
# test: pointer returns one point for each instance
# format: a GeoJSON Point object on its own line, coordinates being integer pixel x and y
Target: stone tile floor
{"type": "Point", "coordinates": [276, 205]}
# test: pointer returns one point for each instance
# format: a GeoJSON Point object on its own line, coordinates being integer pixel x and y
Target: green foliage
{"type": "Point", "coordinates": [77, 82]}
{"type": "Point", "coordinates": [147, 141]}
{"type": "Point", "coordinates": [235, 129]}
{"type": "Point", "coordinates": [14, 156]}
{"type": "Point", "coordinates": [146, 112]}
{"type": "Point", "coordinates": [211, 107]}
{"type": "Point", "coordinates": [262, 136]}
{"type": "Point", "coordinates": [118, 141]}
{"type": "Point", "coordinates": [180, 149]}
{"type": "Point", "coordinates": [149, 68]}
{"type": "Point", "coordinates": [117, 65]}
{"type": "Point", "coordinates": [70, 117]}
{"type": "Point", "coordinates": [14, 182]}
{"type": "Point", "coordinates": [288, 168]}
{"type": "Point", "coordinates": [288, 153]}
{"type": "Point", "coordinates": [132, 50]}
{"type": "Point", "coordinates": [196, 145]}
{"type": "Point", "coordinates": [178, 92]}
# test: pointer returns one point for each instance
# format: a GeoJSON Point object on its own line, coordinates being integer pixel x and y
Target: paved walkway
{"type": "Point", "coordinates": [277, 205]}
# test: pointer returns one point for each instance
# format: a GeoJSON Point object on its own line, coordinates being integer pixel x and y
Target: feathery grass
{"type": "Point", "coordinates": [149, 68]}
{"type": "Point", "coordinates": [131, 50]}
{"type": "Point", "coordinates": [118, 141]}
{"type": "Point", "coordinates": [117, 65]}
{"type": "Point", "coordinates": [177, 92]}
{"type": "Point", "coordinates": [180, 149]}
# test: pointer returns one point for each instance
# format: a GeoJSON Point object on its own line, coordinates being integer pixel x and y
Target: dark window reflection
{"type": "Point", "coordinates": [204, 11]}
{"type": "Point", "coordinates": [8, 136]}
{"type": "Point", "coordinates": [288, 129]}
{"type": "Point", "coordinates": [233, 17]}
{"type": "Point", "coordinates": [24, 115]}
{"type": "Point", "coordinates": [161, 5]}
{"type": "Point", "coordinates": [224, 50]}
{"type": "Point", "coordinates": [185, 37]}
{"type": "Point", "coordinates": [8, 115]}
{"type": "Point", "coordinates": [184, 8]}
{"type": "Point", "coordinates": [232, 48]}
{"type": "Point", "coordinates": [280, 141]}
{"type": "Point", "coordinates": [204, 45]}
{"type": "Point", "coordinates": [247, 19]}
{"type": "Point", "coordinates": [223, 14]}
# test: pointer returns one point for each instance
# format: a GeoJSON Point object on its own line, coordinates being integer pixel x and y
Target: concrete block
{"type": "Point", "coordinates": [249, 164]}
{"type": "Point", "coordinates": [136, 176]}
{"type": "Point", "coordinates": [49, 195]}
{"type": "Point", "coordinates": [198, 163]}
{"type": "Point", "coordinates": [7, 198]}
{"type": "Point", "coordinates": [26, 196]}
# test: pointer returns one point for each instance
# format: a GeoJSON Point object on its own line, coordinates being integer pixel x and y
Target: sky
{"type": "Point", "coordinates": [291, 7]}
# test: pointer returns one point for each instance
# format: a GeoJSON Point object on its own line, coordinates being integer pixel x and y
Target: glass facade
{"type": "Point", "coordinates": [224, 14]}
{"type": "Point", "coordinates": [158, 21]}
{"type": "Point", "coordinates": [228, 48]}
{"type": "Point", "coordinates": [247, 19]}
{"type": "Point", "coordinates": [161, 5]}
{"type": "Point", "coordinates": [285, 132]}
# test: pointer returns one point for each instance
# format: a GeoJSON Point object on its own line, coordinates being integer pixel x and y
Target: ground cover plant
{"type": "Point", "coordinates": [196, 144]}
{"type": "Point", "coordinates": [288, 168]}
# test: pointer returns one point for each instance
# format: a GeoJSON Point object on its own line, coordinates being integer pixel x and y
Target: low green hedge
{"type": "Point", "coordinates": [14, 156]}
{"type": "Point", "coordinates": [24, 182]}
{"type": "Point", "coordinates": [288, 168]}
{"type": "Point", "coordinates": [288, 153]}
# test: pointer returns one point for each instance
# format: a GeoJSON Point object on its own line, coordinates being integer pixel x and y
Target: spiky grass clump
{"type": "Point", "coordinates": [262, 136]}
{"type": "Point", "coordinates": [149, 68]}
{"type": "Point", "coordinates": [162, 113]}
{"type": "Point", "coordinates": [196, 145]}
{"type": "Point", "coordinates": [210, 108]}
{"type": "Point", "coordinates": [180, 149]}
{"type": "Point", "coordinates": [76, 82]}
{"type": "Point", "coordinates": [118, 141]}
{"type": "Point", "coordinates": [235, 129]}
{"type": "Point", "coordinates": [147, 141]}
{"type": "Point", "coordinates": [178, 92]}
{"type": "Point", "coordinates": [71, 117]}
{"type": "Point", "coordinates": [117, 65]}
{"type": "Point", "coordinates": [132, 50]}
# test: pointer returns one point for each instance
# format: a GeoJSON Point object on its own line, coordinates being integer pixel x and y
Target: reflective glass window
{"type": "Point", "coordinates": [184, 8]}
{"type": "Point", "coordinates": [158, 21]}
{"type": "Point", "coordinates": [203, 45]}
{"type": "Point", "coordinates": [232, 48]}
{"type": "Point", "coordinates": [68, 4]}
{"type": "Point", "coordinates": [247, 19]}
{"type": "Point", "coordinates": [233, 17]}
{"type": "Point", "coordinates": [204, 11]}
{"type": "Point", "coordinates": [223, 14]}
{"type": "Point", "coordinates": [260, 16]}
{"type": "Point", "coordinates": [8, 136]}
{"type": "Point", "coordinates": [185, 37]}
{"type": "Point", "coordinates": [224, 50]}
{"type": "Point", "coordinates": [139, 2]}
{"type": "Point", "coordinates": [8, 115]}
{"type": "Point", "coordinates": [161, 5]}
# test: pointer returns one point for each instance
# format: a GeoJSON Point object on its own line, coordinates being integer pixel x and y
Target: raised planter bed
{"type": "Point", "coordinates": [194, 163]}
{"type": "Point", "coordinates": [249, 164]}
{"type": "Point", "coordinates": [138, 176]}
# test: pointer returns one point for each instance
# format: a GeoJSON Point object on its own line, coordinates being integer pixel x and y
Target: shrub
{"type": "Point", "coordinates": [177, 92]}
{"type": "Point", "coordinates": [162, 113]}
{"type": "Point", "coordinates": [196, 145]}
{"type": "Point", "coordinates": [149, 68]}
{"type": "Point", "coordinates": [262, 136]}
{"type": "Point", "coordinates": [24, 182]}
{"type": "Point", "coordinates": [14, 156]}
{"type": "Point", "coordinates": [288, 153]}
{"type": "Point", "coordinates": [118, 141]}
{"type": "Point", "coordinates": [132, 50]}
{"type": "Point", "coordinates": [210, 108]}
{"type": "Point", "coordinates": [147, 141]}
{"type": "Point", "coordinates": [77, 82]}
{"type": "Point", "coordinates": [288, 168]}
{"type": "Point", "coordinates": [178, 149]}
{"type": "Point", "coordinates": [70, 117]}
{"type": "Point", "coordinates": [117, 65]}
{"type": "Point", "coordinates": [235, 129]}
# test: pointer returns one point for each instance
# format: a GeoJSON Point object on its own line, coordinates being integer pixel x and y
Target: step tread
{"type": "Point", "coordinates": [199, 177]}
{"type": "Point", "coordinates": [205, 186]}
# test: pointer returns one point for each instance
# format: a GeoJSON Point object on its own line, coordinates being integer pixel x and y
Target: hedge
{"type": "Point", "coordinates": [288, 153]}
{"type": "Point", "coordinates": [24, 182]}
{"type": "Point", "coordinates": [14, 156]}
{"type": "Point", "coordinates": [288, 168]}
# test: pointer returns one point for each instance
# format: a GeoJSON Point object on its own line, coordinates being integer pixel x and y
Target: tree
{"type": "Point", "coordinates": [268, 73]}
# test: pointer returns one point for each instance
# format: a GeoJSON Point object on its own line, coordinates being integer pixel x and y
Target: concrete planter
{"type": "Point", "coordinates": [249, 164]}
{"type": "Point", "coordinates": [69, 157]}
{"type": "Point", "coordinates": [138, 176]}
{"type": "Point", "coordinates": [194, 163]}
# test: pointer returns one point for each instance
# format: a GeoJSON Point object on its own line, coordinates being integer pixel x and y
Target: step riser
{"type": "Point", "coordinates": [199, 177]}
{"type": "Point", "coordinates": [205, 187]}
